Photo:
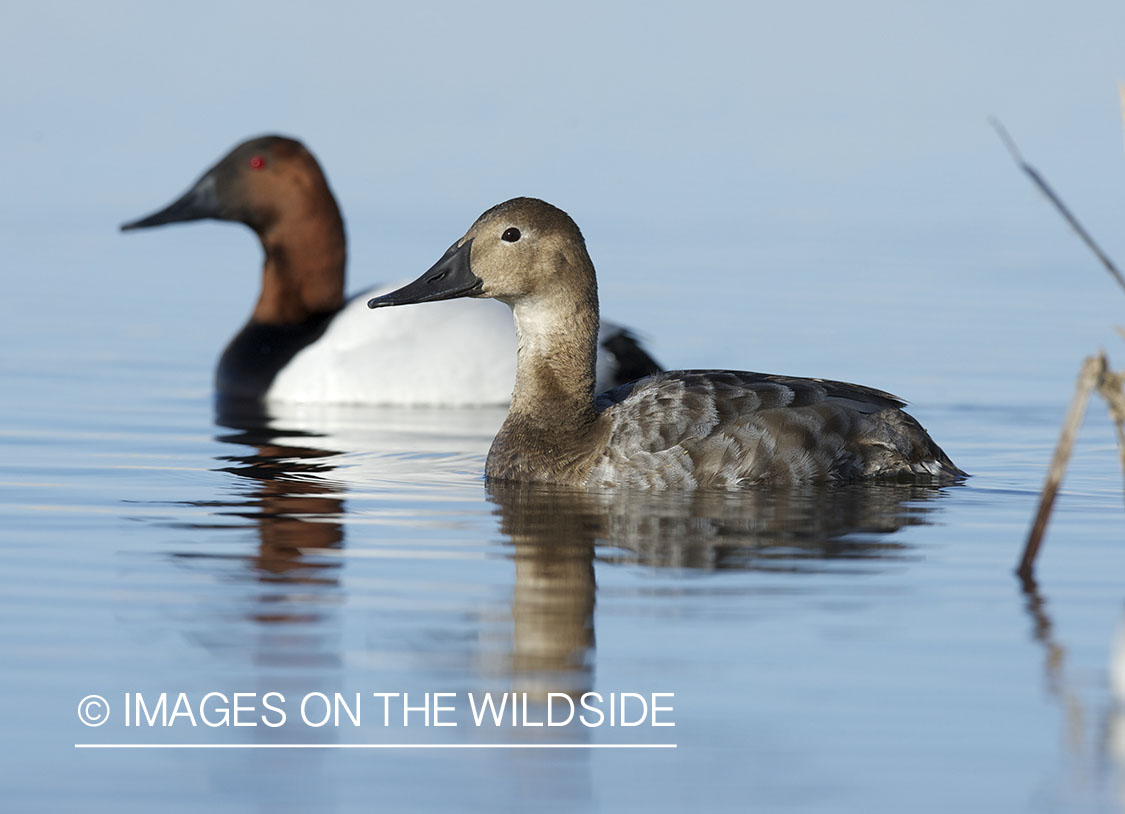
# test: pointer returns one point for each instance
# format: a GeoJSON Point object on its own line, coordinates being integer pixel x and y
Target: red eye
{"type": "Point", "coordinates": [257, 163]}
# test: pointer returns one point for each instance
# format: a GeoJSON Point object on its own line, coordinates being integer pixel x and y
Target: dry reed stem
{"type": "Point", "coordinates": [1112, 389]}
{"type": "Point", "coordinates": [1045, 188]}
{"type": "Point", "coordinates": [1089, 378]}
{"type": "Point", "coordinates": [1095, 371]}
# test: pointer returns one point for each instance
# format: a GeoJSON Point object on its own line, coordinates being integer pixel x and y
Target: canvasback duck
{"type": "Point", "coordinates": [682, 429]}
{"type": "Point", "coordinates": [305, 343]}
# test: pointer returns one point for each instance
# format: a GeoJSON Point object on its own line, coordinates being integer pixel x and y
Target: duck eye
{"type": "Point", "coordinates": [257, 163]}
{"type": "Point", "coordinates": [511, 234]}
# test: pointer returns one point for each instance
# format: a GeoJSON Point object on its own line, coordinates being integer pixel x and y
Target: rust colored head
{"type": "Point", "coordinates": [261, 182]}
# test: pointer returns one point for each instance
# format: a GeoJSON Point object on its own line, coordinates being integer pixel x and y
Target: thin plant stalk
{"type": "Point", "coordinates": [1045, 188]}
{"type": "Point", "coordinates": [1088, 379]}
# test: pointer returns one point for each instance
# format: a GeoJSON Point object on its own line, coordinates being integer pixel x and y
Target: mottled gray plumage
{"type": "Point", "coordinates": [726, 428]}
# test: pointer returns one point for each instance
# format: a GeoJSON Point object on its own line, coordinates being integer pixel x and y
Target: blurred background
{"type": "Point", "coordinates": [802, 189]}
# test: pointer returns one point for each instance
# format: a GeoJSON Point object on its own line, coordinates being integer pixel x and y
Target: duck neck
{"type": "Point", "coordinates": [303, 275]}
{"type": "Point", "coordinates": [557, 351]}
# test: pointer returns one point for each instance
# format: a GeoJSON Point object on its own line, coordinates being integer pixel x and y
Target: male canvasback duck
{"type": "Point", "coordinates": [682, 429]}
{"type": "Point", "coordinates": [305, 343]}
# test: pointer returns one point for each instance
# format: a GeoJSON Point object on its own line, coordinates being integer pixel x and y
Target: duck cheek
{"type": "Point", "coordinates": [507, 291]}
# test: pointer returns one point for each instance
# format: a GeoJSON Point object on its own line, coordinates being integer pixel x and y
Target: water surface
{"type": "Point", "coordinates": [861, 648]}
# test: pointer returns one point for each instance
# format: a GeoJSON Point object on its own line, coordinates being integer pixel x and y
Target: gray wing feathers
{"type": "Point", "coordinates": [727, 428]}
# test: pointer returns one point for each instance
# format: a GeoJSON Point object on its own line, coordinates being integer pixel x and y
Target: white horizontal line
{"type": "Point", "coordinates": [375, 746]}
{"type": "Point", "coordinates": [394, 554]}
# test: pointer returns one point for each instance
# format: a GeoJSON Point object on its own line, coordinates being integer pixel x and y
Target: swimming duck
{"type": "Point", "coordinates": [305, 343]}
{"type": "Point", "coordinates": [681, 429]}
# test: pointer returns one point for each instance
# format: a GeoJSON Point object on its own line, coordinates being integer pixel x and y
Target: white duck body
{"type": "Point", "coordinates": [453, 354]}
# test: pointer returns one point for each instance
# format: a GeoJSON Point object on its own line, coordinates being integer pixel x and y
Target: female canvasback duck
{"type": "Point", "coordinates": [305, 343]}
{"type": "Point", "coordinates": [683, 429]}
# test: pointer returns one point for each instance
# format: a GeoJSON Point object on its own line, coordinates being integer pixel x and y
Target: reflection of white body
{"type": "Point", "coordinates": [454, 353]}
{"type": "Point", "coordinates": [1116, 732]}
{"type": "Point", "coordinates": [359, 432]}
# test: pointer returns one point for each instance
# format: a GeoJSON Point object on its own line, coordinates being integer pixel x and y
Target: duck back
{"type": "Point", "coordinates": [728, 429]}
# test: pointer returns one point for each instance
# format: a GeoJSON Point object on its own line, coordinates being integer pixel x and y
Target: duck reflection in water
{"type": "Point", "coordinates": [553, 533]}
{"type": "Point", "coordinates": [287, 495]}
{"type": "Point", "coordinates": [558, 534]}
